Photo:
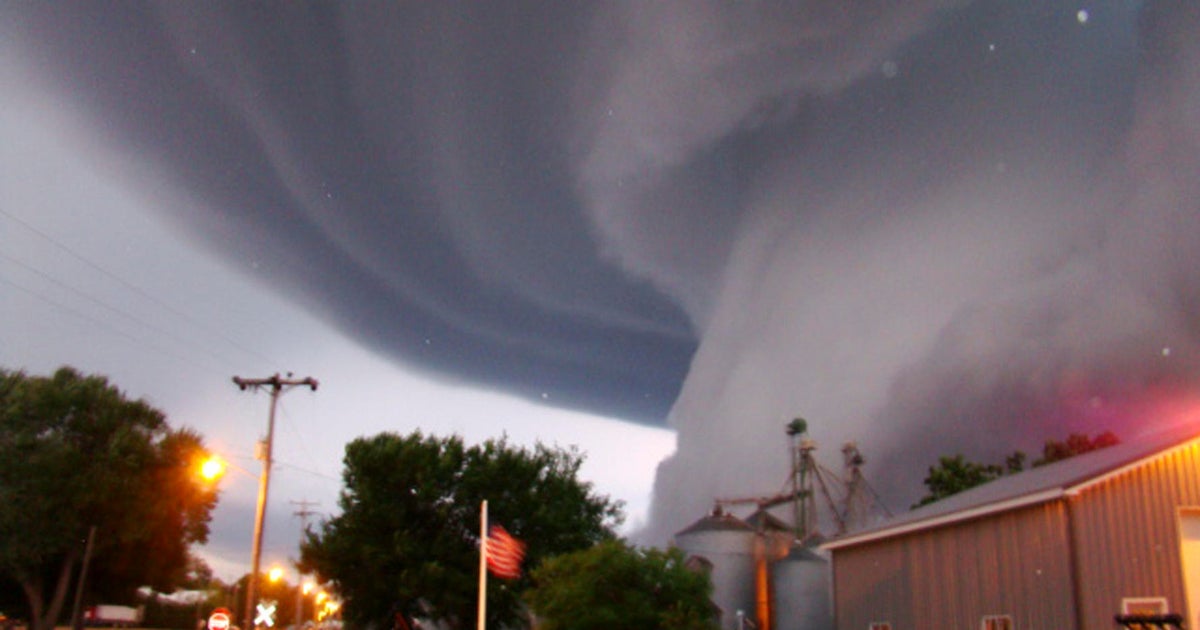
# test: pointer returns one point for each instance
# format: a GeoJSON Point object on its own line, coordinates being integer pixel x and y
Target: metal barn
{"type": "Point", "coordinates": [1067, 545]}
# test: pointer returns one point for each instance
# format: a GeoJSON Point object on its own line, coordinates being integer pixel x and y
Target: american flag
{"type": "Point", "coordinates": [504, 553]}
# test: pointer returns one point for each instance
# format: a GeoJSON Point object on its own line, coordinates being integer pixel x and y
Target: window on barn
{"type": "Point", "coordinates": [880, 625]}
{"type": "Point", "coordinates": [1144, 605]}
{"type": "Point", "coordinates": [996, 622]}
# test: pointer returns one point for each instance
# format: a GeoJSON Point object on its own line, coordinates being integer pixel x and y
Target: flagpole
{"type": "Point", "coordinates": [483, 552]}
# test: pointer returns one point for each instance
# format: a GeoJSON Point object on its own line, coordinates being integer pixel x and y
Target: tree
{"type": "Point", "coordinates": [79, 455]}
{"type": "Point", "coordinates": [407, 538]}
{"type": "Point", "coordinates": [614, 585]}
{"type": "Point", "coordinates": [952, 475]}
{"type": "Point", "coordinates": [1075, 444]}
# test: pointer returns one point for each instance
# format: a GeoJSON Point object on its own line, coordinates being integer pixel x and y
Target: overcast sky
{"type": "Point", "coordinates": [648, 229]}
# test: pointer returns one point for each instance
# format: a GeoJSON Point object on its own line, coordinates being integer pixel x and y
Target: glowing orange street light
{"type": "Point", "coordinates": [328, 610]}
{"type": "Point", "coordinates": [212, 468]}
{"type": "Point", "coordinates": [275, 574]}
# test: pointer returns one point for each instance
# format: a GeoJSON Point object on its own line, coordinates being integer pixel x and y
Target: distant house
{"type": "Point", "coordinates": [1068, 545]}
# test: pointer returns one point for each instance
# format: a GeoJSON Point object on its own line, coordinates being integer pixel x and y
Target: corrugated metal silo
{"type": "Point", "coordinates": [727, 543]}
{"type": "Point", "coordinates": [802, 590]}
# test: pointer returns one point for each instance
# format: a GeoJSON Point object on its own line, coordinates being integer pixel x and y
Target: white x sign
{"type": "Point", "coordinates": [266, 614]}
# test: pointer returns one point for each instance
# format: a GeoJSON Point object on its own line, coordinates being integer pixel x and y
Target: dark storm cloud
{"type": "Point", "coordinates": [523, 195]}
{"type": "Point", "coordinates": [1102, 333]}
{"type": "Point", "coordinates": [989, 243]}
{"type": "Point", "coordinates": [923, 225]}
{"type": "Point", "coordinates": [688, 105]}
{"type": "Point", "coordinates": [398, 169]}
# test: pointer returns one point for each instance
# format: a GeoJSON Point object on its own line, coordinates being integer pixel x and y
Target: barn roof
{"type": "Point", "coordinates": [1031, 487]}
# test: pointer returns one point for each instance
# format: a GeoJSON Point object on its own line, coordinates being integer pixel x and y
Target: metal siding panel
{"type": "Point", "coordinates": [950, 577]}
{"type": "Point", "coordinates": [988, 556]}
{"type": "Point", "coordinates": [1160, 528]}
{"type": "Point", "coordinates": [1047, 597]}
{"type": "Point", "coordinates": [871, 586]}
{"type": "Point", "coordinates": [1013, 564]}
{"type": "Point", "coordinates": [1127, 529]}
{"type": "Point", "coordinates": [1102, 533]}
{"type": "Point", "coordinates": [920, 561]}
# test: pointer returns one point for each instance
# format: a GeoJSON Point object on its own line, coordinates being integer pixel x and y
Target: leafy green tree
{"type": "Point", "coordinates": [614, 585]}
{"type": "Point", "coordinates": [952, 475]}
{"type": "Point", "coordinates": [77, 454]}
{"type": "Point", "coordinates": [1075, 444]}
{"type": "Point", "coordinates": [407, 538]}
{"type": "Point", "coordinates": [1015, 462]}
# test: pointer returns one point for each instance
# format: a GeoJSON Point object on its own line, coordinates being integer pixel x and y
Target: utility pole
{"type": "Point", "coordinates": [277, 385]}
{"type": "Point", "coordinates": [76, 610]}
{"type": "Point", "coordinates": [303, 513]}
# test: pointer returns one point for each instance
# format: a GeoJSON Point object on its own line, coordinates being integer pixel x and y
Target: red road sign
{"type": "Point", "coordinates": [219, 620]}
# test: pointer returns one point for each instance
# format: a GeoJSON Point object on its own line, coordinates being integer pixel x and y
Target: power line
{"type": "Point", "coordinates": [314, 473]}
{"type": "Point", "coordinates": [307, 453]}
{"type": "Point", "coordinates": [304, 512]}
{"type": "Point", "coordinates": [138, 290]}
{"type": "Point", "coordinates": [105, 305]}
{"type": "Point", "coordinates": [112, 329]}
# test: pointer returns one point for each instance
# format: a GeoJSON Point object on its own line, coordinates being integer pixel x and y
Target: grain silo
{"type": "Point", "coordinates": [766, 573]}
{"type": "Point", "coordinates": [802, 593]}
{"type": "Point", "coordinates": [726, 544]}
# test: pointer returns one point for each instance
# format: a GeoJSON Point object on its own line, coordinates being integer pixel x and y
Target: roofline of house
{"type": "Point", "coordinates": [948, 519]}
{"type": "Point", "coordinates": [1049, 494]}
{"type": "Point", "coordinates": [1077, 488]}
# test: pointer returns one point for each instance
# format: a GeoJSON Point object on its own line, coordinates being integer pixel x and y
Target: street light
{"type": "Point", "coordinates": [212, 468]}
{"type": "Point", "coordinates": [331, 608]}
{"type": "Point", "coordinates": [301, 593]}
{"type": "Point", "coordinates": [304, 588]}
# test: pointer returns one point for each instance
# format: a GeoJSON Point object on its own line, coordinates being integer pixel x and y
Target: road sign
{"type": "Point", "coordinates": [219, 620]}
{"type": "Point", "coordinates": [266, 615]}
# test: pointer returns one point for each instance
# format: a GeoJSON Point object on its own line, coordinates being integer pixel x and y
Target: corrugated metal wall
{"type": "Point", "coordinates": [1124, 528]}
{"type": "Point", "coordinates": [1127, 533]}
{"type": "Point", "coordinates": [1013, 564]}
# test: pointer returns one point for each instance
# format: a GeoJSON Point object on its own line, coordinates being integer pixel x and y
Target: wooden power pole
{"type": "Point", "coordinates": [277, 384]}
